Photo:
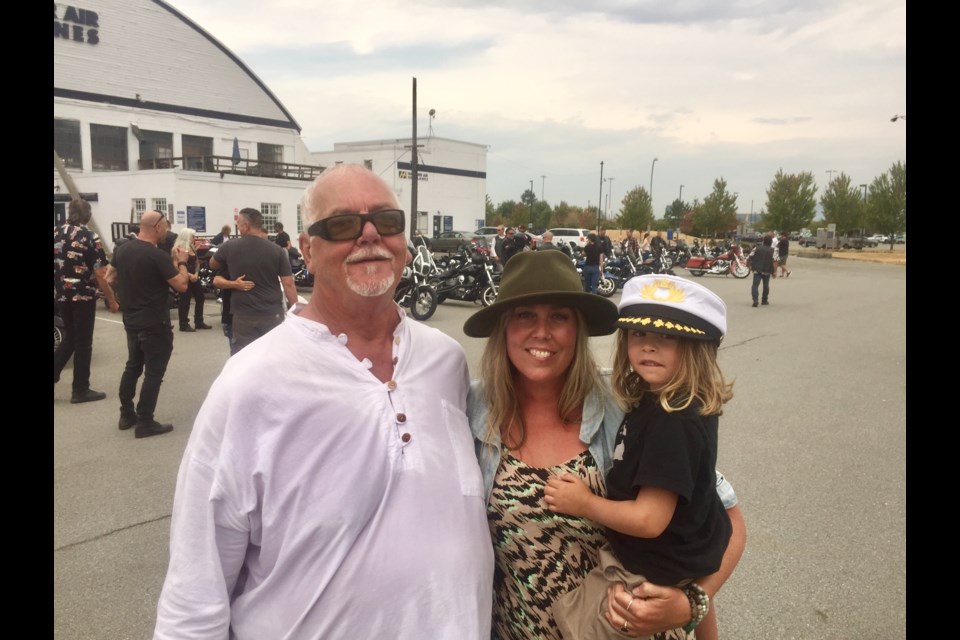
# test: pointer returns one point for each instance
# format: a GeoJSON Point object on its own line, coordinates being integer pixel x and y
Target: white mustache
{"type": "Point", "coordinates": [367, 253]}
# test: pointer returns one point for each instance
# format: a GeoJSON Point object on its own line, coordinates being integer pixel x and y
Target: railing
{"type": "Point", "coordinates": [224, 165]}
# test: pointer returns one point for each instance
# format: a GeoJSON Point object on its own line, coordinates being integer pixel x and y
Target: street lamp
{"type": "Point", "coordinates": [864, 187]}
{"type": "Point", "coordinates": [680, 204]}
{"type": "Point", "coordinates": [652, 164]}
{"type": "Point", "coordinates": [600, 201]}
{"type": "Point", "coordinates": [542, 180]}
{"type": "Point", "coordinates": [830, 173]}
{"type": "Point", "coordinates": [609, 191]}
{"type": "Point", "coordinates": [533, 197]}
{"type": "Point", "coordinates": [898, 117]}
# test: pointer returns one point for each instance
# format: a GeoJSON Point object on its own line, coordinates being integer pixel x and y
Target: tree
{"type": "Point", "coordinates": [887, 202]}
{"type": "Point", "coordinates": [490, 212]}
{"type": "Point", "coordinates": [718, 213]}
{"type": "Point", "coordinates": [674, 212]}
{"type": "Point", "coordinates": [636, 211]}
{"type": "Point", "coordinates": [791, 201]}
{"type": "Point", "coordinates": [528, 197]}
{"type": "Point", "coordinates": [540, 217]}
{"type": "Point", "coordinates": [843, 205]}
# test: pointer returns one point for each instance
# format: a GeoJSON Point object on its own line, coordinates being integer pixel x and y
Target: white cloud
{"type": "Point", "coordinates": [737, 90]}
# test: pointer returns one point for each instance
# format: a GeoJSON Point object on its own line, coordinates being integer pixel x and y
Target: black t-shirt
{"type": "Point", "coordinates": [678, 452]}
{"type": "Point", "coordinates": [656, 245]}
{"type": "Point", "coordinates": [142, 273]}
{"type": "Point", "coordinates": [592, 252]}
{"type": "Point", "coordinates": [606, 245]}
{"type": "Point", "coordinates": [783, 247]}
{"type": "Point", "coordinates": [282, 239]}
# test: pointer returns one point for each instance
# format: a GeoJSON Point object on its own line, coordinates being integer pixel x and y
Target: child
{"type": "Point", "coordinates": [665, 522]}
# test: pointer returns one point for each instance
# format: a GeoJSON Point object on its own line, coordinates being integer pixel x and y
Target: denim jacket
{"type": "Point", "coordinates": [601, 421]}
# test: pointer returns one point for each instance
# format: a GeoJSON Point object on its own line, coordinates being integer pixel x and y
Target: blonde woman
{"type": "Point", "coordinates": [185, 240]}
{"type": "Point", "coordinates": [541, 408]}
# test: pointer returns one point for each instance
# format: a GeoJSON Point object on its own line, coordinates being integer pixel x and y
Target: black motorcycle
{"type": "Point", "coordinates": [466, 276]}
{"type": "Point", "coordinates": [413, 290]}
{"type": "Point", "coordinates": [301, 277]}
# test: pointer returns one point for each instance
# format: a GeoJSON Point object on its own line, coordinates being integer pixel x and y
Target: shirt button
{"type": "Point", "coordinates": [401, 417]}
{"type": "Point", "coordinates": [392, 385]}
{"type": "Point", "coordinates": [395, 359]}
{"type": "Point", "coordinates": [396, 340]}
{"type": "Point", "coordinates": [405, 437]}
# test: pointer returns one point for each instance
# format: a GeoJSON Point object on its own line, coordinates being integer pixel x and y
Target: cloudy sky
{"type": "Point", "coordinates": [734, 90]}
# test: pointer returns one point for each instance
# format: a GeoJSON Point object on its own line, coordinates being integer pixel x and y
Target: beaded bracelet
{"type": "Point", "coordinates": [699, 605]}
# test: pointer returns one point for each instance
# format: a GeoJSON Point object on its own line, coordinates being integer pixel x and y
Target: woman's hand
{"type": "Point", "coordinates": [648, 609]}
{"type": "Point", "coordinates": [567, 494]}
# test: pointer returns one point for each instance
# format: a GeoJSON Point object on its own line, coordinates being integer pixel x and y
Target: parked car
{"type": "Point", "coordinates": [487, 232]}
{"type": "Point", "coordinates": [565, 235]}
{"type": "Point", "coordinates": [878, 238]}
{"type": "Point", "coordinates": [900, 238]}
{"type": "Point", "coordinates": [452, 241]}
{"type": "Point", "coordinates": [807, 241]}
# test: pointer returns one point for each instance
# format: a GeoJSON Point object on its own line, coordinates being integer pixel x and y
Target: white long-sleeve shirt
{"type": "Point", "coordinates": [315, 501]}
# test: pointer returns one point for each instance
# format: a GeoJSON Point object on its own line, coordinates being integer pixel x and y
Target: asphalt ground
{"type": "Point", "coordinates": [814, 442]}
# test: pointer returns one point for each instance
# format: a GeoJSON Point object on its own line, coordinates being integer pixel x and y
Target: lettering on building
{"type": "Point", "coordinates": [405, 175]}
{"type": "Point", "coordinates": [73, 23]}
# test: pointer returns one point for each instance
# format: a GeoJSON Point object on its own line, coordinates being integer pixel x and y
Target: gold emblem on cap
{"type": "Point", "coordinates": [660, 323]}
{"type": "Point", "coordinates": [663, 291]}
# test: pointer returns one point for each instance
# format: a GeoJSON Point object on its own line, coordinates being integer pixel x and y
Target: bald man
{"type": "Point", "coordinates": [142, 274]}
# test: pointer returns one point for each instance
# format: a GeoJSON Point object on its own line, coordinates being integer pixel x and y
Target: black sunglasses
{"type": "Point", "coordinates": [349, 226]}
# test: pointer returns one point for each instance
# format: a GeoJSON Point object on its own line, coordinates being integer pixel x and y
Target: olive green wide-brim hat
{"type": "Point", "coordinates": [543, 277]}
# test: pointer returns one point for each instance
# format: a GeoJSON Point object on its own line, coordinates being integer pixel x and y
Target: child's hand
{"type": "Point", "coordinates": [567, 494]}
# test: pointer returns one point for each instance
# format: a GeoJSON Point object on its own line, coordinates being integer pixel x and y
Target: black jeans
{"type": "Point", "coordinates": [757, 279]}
{"type": "Point", "coordinates": [78, 318]}
{"type": "Point", "coordinates": [148, 352]}
{"type": "Point", "coordinates": [247, 328]}
{"type": "Point", "coordinates": [195, 291]}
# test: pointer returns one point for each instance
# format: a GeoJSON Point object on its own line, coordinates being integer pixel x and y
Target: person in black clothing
{"type": "Point", "coordinates": [510, 246]}
{"type": "Point", "coordinates": [221, 237]}
{"type": "Point", "coordinates": [593, 263]}
{"type": "Point", "coordinates": [657, 245]}
{"type": "Point", "coordinates": [783, 251]}
{"type": "Point", "coordinates": [194, 290]}
{"type": "Point", "coordinates": [606, 245]}
{"type": "Point", "coordinates": [762, 264]}
{"type": "Point", "coordinates": [283, 238]}
{"type": "Point", "coordinates": [79, 269]}
{"type": "Point", "coordinates": [144, 275]}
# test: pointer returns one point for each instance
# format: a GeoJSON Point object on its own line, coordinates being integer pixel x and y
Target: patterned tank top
{"type": "Point", "coordinates": [540, 555]}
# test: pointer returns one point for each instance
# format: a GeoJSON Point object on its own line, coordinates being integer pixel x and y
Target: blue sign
{"type": "Point", "coordinates": [197, 218]}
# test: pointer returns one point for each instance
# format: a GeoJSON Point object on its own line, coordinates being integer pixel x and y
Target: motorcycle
{"type": "Point", "coordinates": [301, 277]}
{"type": "Point", "coordinates": [413, 290]}
{"type": "Point", "coordinates": [204, 273]}
{"type": "Point", "coordinates": [467, 276]}
{"type": "Point", "coordinates": [731, 261]}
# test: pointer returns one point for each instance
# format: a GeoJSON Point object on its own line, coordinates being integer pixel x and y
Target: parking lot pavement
{"type": "Point", "coordinates": [814, 442]}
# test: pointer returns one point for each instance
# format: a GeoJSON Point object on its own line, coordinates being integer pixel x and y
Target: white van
{"type": "Point", "coordinates": [566, 235]}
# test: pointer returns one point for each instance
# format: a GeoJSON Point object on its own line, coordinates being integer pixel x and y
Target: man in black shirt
{"type": "Point", "coordinates": [762, 264]}
{"type": "Point", "coordinates": [283, 238]}
{"type": "Point", "coordinates": [143, 274]}
{"type": "Point", "coordinates": [604, 242]}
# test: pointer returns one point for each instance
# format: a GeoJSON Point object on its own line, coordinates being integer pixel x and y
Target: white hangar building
{"type": "Point", "coordinates": [196, 134]}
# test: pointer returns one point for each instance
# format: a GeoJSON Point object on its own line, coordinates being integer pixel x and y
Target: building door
{"type": "Point", "coordinates": [59, 213]}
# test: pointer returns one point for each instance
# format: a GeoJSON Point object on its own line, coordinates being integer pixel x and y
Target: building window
{"type": "Point", "coordinates": [271, 215]}
{"type": "Point", "coordinates": [160, 204]}
{"type": "Point", "coordinates": [197, 153]}
{"type": "Point", "coordinates": [108, 148]}
{"type": "Point", "coordinates": [156, 149]}
{"type": "Point", "coordinates": [368, 164]}
{"type": "Point", "coordinates": [269, 157]}
{"type": "Point", "coordinates": [139, 208]}
{"type": "Point", "coordinates": [66, 142]}
{"type": "Point", "coordinates": [299, 220]}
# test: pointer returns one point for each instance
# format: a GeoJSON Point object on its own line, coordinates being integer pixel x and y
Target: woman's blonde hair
{"type": "Point", "coordinates": [497, 378]}
{"type": "Point", "coordinates": [698, 378]}
{"type": "Point", "coordinates": [184, 241]}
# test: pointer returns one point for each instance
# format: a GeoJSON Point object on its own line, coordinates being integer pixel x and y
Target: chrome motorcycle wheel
{"type": "Point", "coordinates": [607, 287]}
{"type": "Point", "coordinates": [740, 270]}
{"type": "Point", "coordinates": [424, 302]}
{"type": "Point", "coordinates": [487, 296]}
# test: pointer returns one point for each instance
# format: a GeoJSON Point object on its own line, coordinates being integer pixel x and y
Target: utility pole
{"type": "Point", "coordinates": [414, 173]}
{"type": "Point", "coordinates": [600, 201]}
{"type": "Point", "coordinates": [542, 180]}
